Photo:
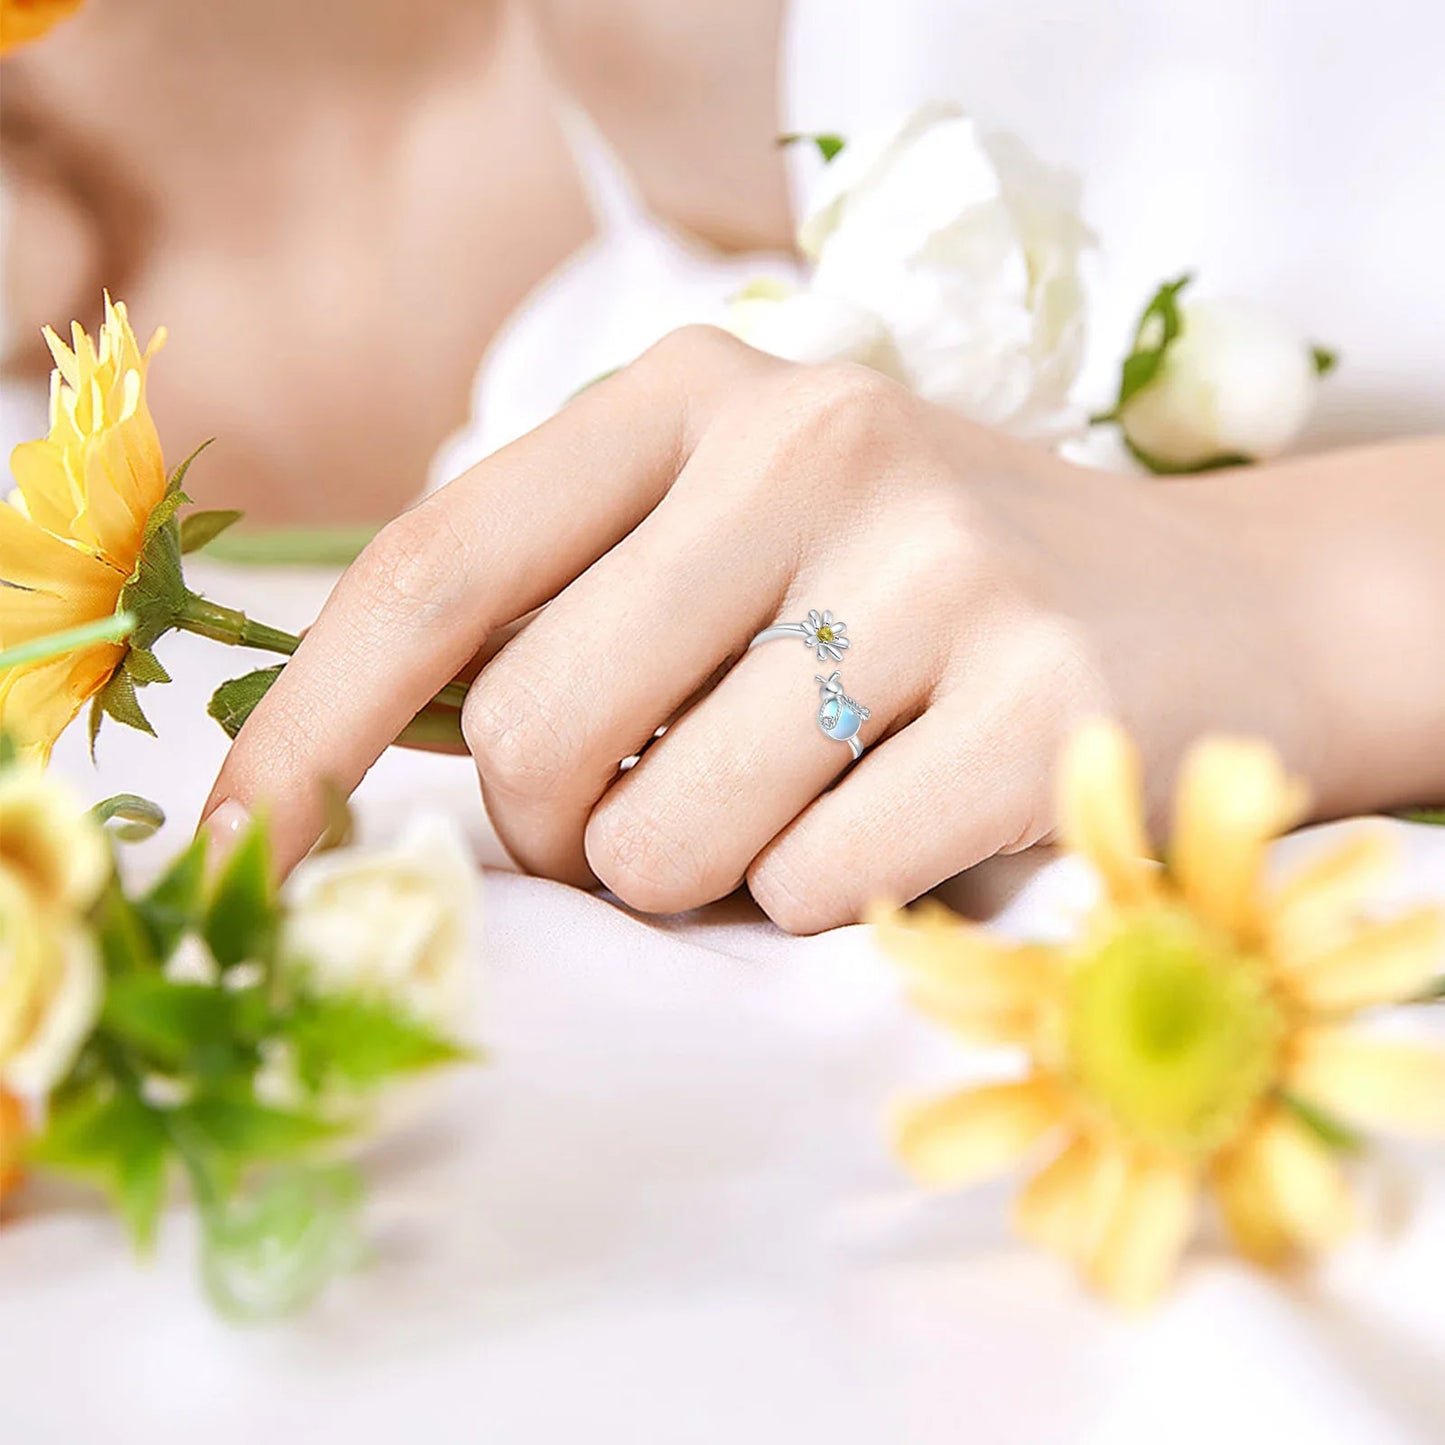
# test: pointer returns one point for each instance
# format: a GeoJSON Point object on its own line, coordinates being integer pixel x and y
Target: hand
{"type": "Point", "coordinates": [993, 596]}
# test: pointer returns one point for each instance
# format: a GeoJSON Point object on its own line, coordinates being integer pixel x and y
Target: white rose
{"type": "Point", "coordinates": [963, 250]}
{"type": "Point", "coordinates": [1236, 382]}
{"type": "Point", "coordinates": [53, 864]}
{"type": "Point", "coordinates": [50, 991]}
{"type": "Point", "coordinates": [391, 923]}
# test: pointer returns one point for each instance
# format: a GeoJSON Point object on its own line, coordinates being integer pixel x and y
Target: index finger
{"type": "Point", "coordinates": [486, 549]}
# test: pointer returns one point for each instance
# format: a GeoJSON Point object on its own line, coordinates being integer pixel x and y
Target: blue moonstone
{"type": "Point", "coordinates": [838, 720]}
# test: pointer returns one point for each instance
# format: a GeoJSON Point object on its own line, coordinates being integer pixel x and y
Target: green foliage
{"type": "Point", "coordinates": [169, 1079]}
{"type": "Point", "coordinates": [240, 1132]}
{"type": "Point", "coordinates": [117, 1142]}
{"type": "Point", "coordinates": [175, 903]}
{"type": "Point", "coordinates": [240, 923]}
{"type": "Point", "coordinates": [356, 1043]}
{"type": "Point", "coordinates": [1424, 815]}
{"type": "Point", "coordinates": [234, 701]}
{"type": "Point", "coordinates": [200, 529]}
{"type": "Point", "coordinates": [125, 943]}
{"type": "Point", "coordinates": [191, 1029]}
{"type": "Point", "coordinates": [1160, 325]}
{"type": "Point", "coordinates": [139, 817]}
{"type": "Point", "coordinates": [828, 144]}
{"type": "Point", "coordinates": [1324, 359]}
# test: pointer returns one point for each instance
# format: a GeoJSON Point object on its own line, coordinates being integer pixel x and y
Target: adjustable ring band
{"type": "Point", "coordinates": [820, 632]}
{"type": "Point", "coordinates": [839, 715]}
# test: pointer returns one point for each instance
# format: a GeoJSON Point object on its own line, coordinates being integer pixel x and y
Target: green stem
{"type": "Point", "coordinates": [226, 624]}
{"type": "Point", "coordinates": [108, 629]}
{"type": "Point", "coordinates": [435, 727]}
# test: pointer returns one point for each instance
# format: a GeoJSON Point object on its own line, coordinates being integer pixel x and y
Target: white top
{"type": "Point", "coordinates": [666, 1211]}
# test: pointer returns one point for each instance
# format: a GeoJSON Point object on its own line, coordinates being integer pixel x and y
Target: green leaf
{"type": "Point", "coordinates": [1184, 469]}
{"type": "Point", "coordinates": [143, 667]}
{"type": "Point", "coordinates": [828, 144]}
{"type": "Point", "coordinates": [1158, 328]}
{"type": "Point", "coordinates": [244, 1132]}
{"type": "Point", "coordinates": [240, 924]}
{"type": "Point", "coordinates": [118, 1143]}
{"type": "Point", "coordinates": [271, 1252]}
{"type": "Point", "coordinates": [9, 750]}
{"type": "Point", "coordinates": [115, 628]}
{"type": "Point", "coordinates": [194, 1029]}
{"type": "Point", "coordinates": [200, 529]}
{"type": "Point", "coordinates": [117, 699]}
{"type": "Point", "coordinates": [234, 701]}
{"type": "Point", "coordinates": [1423, 815]}
{"type": "Point", "coordinates": [173, 906]}
{"type": "Point", "coordinates": [1330, 1131]}
{"type": "Point", "coordinates": [139, 817]}
{"type": "Point", "coordinates": [1325, 360]}
{"type": "Point", "coordinates": [359, 1042]}
{"type": "Point", "coordinates": [125, 943]}
{"type": "Point", "coordinates": [293, 546]}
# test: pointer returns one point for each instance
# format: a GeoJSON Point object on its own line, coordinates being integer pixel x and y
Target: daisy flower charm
{"type": "Point", "coordinates": [825, 636]}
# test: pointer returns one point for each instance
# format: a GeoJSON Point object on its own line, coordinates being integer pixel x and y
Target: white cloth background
{"type": "Point", "coordinates": [666, 1211]}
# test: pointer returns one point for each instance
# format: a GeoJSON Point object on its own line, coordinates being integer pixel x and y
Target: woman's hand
{"type": "Point", "coordinates": [993, 595]}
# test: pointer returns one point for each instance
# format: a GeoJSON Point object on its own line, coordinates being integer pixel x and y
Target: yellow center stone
{"type": "Point", "coordinates": [1172, 1034]}
{"type": "Point", "coordinates": [826, 634]}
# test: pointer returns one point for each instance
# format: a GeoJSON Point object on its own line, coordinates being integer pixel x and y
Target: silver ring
{"type": "Point", "coordinates": [839, 715]}
{"type": "Point", "coordinates": [820, 632]}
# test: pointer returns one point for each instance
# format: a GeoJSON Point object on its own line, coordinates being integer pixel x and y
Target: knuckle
{"type": "Point", "coordinates": [514, 727]}
{"type": "Point", "coordinates": [649, 866]}
{"type": "Point", "coordinates": [843, 405]}
{"type": "Point", "coordinates": [411, 570]}
{"type": "Point", "coordinates": [689, 348]}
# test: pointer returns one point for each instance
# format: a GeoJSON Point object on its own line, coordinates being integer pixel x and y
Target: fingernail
{"type": "Point", "coordinates": [224, 828]}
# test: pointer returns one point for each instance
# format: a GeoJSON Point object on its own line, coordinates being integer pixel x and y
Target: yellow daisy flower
{"type": "Point", "coordinates": [1195, 1036]}
{"type": "Point", "coordinates": [74, 528]}
{"type": "Point", "coordinates": [24, 20]}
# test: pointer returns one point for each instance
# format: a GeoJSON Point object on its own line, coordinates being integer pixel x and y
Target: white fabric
{"type": "Point", "coordinates": [666, 1211]}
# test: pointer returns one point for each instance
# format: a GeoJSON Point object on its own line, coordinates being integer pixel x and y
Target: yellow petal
{"type": "Point", "coordinates": [1066, 1205]}
{"type": "Point", "coordinates": [977, 1133]}
{"type": "Point", "coordinates": [1391, 1084]}
{"type": "Point", "coordinates": [1319, 904]}
{"type": "Point", "coordinates": [1101, 811]}
{"type": "Point", "coordinates": [1233, 798]}
{"type": "Point", "coordinates": [31, 557]}
{"type": "Point", "coordinates": [1390, 962]}
{"type": "Point", "coordinates": [38, 702]}
{"type": "Point", "coordinates": [1282, 1191]}
{"type": "Point", "coordinates": [51, 498]}
{"type": "Point", "coordinates": [1149, 1226]}
{"type": "Point", "coordinates": [981, 986]}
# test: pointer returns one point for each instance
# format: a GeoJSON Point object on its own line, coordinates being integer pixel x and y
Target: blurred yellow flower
{"type": "Point", "coordinates": [54, 861]}
{"type": "Point", "coordinates": [1192, 1037]}
{"type": "Point", "coordinates": [25, 20]}
{"type": "Point", "coordinates": [12, 1135]}
{"type": "Point", "coordinates": [73, 530]}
